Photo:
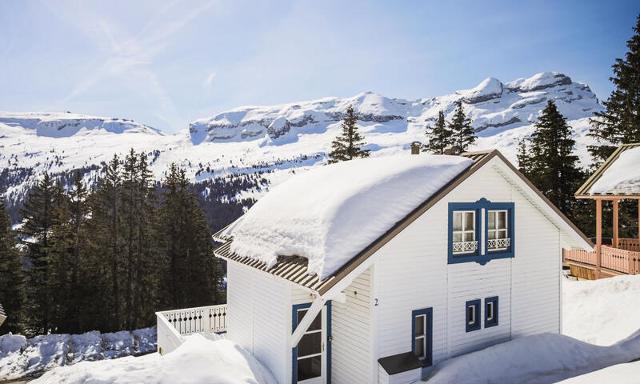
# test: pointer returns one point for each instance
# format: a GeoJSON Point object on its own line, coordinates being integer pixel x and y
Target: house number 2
{"type": "Point", "coordinates": [375, 302]}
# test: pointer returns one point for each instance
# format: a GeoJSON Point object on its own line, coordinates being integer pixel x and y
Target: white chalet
{"type": "Point", "coordinates": [374, 270]}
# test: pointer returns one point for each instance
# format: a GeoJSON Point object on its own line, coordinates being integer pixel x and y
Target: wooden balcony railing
{"type": "Point", "coordinates": [629, 244]}
{"type": "Point", "coordinates": [614, 259]}
{"type": "Point", "coordinates": [175, 324]}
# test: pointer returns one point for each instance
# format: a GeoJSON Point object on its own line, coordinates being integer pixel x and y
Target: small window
{"type": "Point", "coordinates": [498, 231]}
{"type": "Point", "coordinates": [464, 232]}
{"type": "Point", "coordinates": [421, 335]}
{"type": "Point", "coordinates": [491, 311]}
{"type": "Point", "coordinates": [472, 315]}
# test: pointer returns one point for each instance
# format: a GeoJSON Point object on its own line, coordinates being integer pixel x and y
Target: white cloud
{"type": "Point", "coordinates": [208, 82]}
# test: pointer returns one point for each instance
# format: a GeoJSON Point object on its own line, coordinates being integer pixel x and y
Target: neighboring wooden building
{"type": "Point", "coordinates": [617, 179]}
{"type": "Point", "coordinates": [477, 263]}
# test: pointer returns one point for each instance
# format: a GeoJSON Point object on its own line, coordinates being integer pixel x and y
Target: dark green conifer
{"type": "Point", "coordinates": [12, 286]}
{"type": "Point", "coordinates": [620, 122]}
{"type": "Point", "coordinates": [462, 133]}
{"type": "Point", "coordinates": [439, 136]}
{"type": "Point", "coordinates": [349, 144]}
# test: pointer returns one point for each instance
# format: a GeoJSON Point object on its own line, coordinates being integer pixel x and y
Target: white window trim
{"type": "Point", "coordinates": [497, 230]}
{"type": "Point", "coordinates": [473, 314]}
{"type": "Point", "coordinates": [422, 337]}
{"type": "Point", "coordinates": [490, 310]}
{"type": "Point", "coordinates": [463, 232]}
{"type": "Point", "coordinates": [310, 333]}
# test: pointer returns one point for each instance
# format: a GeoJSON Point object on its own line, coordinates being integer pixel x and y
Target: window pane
{"type": "Point", "coordinates": [309, 368]}
{"type": "Point", "coordinates": [469, 236]}
{"type": "Point", "coordinates": [457, 237]}
{"type": "Point", "coordinates": [502, 234]}
{"type": "Point", "coordinates": [502, 219]}
{"type": "Point", "coordinates": [457, 221]}
{"type": "Point", "coordinates": [492, 220]}
{"type": "Point", "coordinates": [490, 311]}
{"type": "Point", "coordinates": [469, 223]}
{"type": "Point", "coordinates": [492, 235]}
{"type": "Point", "coordinates": [317, 322]}
{"type": "Point", "coordinates": [419, 347]}
{"type": "Point", "coordinates": [310, 344]}
{"type": "Point", "coordinates": [471, 314]}
{"type": "Point", "coordinates": [418, 325]}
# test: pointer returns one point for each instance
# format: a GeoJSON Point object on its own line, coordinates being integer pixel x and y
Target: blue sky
{"type": "Point", "coordinates": [166, 63]}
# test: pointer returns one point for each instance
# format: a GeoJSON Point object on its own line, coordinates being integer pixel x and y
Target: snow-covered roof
{"type": "Point", "coordinates": [337, 216]}
{"type": "Point", "coordinates": [618, 176]}
{"type": "Point", "coordinates": [330, 214]}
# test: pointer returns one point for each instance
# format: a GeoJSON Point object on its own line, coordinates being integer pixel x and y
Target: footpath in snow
{"type": "Point", "coordinates": [20, 357]}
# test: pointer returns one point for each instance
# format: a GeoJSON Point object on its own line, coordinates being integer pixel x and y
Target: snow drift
{"type": "Point", "coordinates": [329, 214]}
{"type": "Point", "coordinates": [622, 177]}
{"type": "Point", "coordinates": [198, 361]}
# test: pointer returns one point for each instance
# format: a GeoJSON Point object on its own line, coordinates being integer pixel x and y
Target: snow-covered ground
{"type": "Point", "coordinates": [21, 357]}
{"type": "Point", "coordinates": [602, 319]}
{"type": "Point", "coordinates": [199, 360]}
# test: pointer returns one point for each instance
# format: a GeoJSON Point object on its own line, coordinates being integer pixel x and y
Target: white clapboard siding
{"type": "Point", "coordinates": [260, 317]}
{"type": "Point", "coordinates": [351, 325]}
{"type": "Point", "coordinates": [411, 272]}
{"type": "Point", "coordinates": [536, 273]}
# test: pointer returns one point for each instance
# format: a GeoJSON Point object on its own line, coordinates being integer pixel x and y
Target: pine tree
{"type": "Point", "coordinates": [38, 220]}
{"type": "Point", "coordinates": [12, 287]}
{"type": "Point", "coordinates": [552, 166]}
{"type": "Point", "coordinates": [192, 275]}
{"type": "Point", "coordinates": [439, 136]}
{"type": "Point", "coordinates": [348, 145]}
{"type": "Point", "coordinates": [522, 155]}
{"type": "Point", "coordinates": [107, 245]}
{"type": "Point", "coordinates": [620, 122]}
{"type": "Point", "coordinates": [462, 133]}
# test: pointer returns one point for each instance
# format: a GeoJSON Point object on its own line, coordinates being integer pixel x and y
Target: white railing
{"type": "Point", "coordinates": [494, 244]}
{"type": "Point", "coordinates": [460, 247]}
{"type": "Point", "coordinates": [175, 324]}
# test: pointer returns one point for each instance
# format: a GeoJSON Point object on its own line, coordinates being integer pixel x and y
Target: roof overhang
{"type": "Point", "coordinates": [583, 191]}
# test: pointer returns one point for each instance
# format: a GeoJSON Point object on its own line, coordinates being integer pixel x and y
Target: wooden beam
{"type": "Point", "coordinates": [598, 236]}
{"type": "Point", "coordinates": [615, 223]}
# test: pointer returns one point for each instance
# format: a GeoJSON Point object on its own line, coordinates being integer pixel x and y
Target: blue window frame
{"type": "Point", "coordinates": [491, 311]}
{"type": "Point", "coordinates": [480, 232]}
{"type": "Point", "coordinates": [422, 335]}
{"type": "Point", "coordinates": [472, 315]}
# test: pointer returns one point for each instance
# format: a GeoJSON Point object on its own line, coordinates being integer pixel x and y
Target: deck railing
{"type": "Point", "coordinates": [629, 244]}
{"type": "Point", "coordinates": [615, 259]}
{"type": "Point", "coordinates": [173, 325]}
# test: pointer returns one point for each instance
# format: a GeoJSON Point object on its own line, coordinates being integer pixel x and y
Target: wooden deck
{"type": "Point", "coordinates": [609, 261]}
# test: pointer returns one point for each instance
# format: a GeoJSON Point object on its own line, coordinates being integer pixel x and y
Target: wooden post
{"type": "Point", "coordinates": [598, 236]}
{"type": "Point", "coordinates": [614, 243]}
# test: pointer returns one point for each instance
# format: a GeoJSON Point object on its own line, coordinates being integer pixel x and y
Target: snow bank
{"type": "Point", "coordinates": [21, 357]}
{"type": "Point", "coordinates": [538, 359]}
{"type": "Point", "coordinates": [331, 213]}
{"type": "Point", "coordinates": [602, 311]}
{"type": "Point", "coordinates": [623, 176]}
{"type": "Point", "coordinates": [618, 374]}
{"type": "Point", "coordinates": [197, 361]}
{"type": "Point", "coordinates": [488, 89]}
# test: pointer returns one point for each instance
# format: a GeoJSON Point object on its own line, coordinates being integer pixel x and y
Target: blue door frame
{"type": "Point", "coordinates": [294, 352]}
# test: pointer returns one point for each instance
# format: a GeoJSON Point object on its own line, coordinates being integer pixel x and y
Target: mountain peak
{"type": "Point", "coordinates": [539, 81]}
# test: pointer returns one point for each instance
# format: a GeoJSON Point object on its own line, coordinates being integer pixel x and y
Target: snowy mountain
{"type": "Point", "coordinates": [273, 141]}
